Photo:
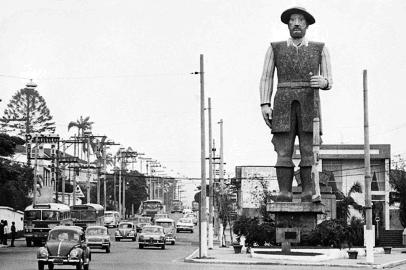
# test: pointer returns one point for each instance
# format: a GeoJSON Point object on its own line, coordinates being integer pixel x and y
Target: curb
{"type": "Point", "coordinates": [190, 259]}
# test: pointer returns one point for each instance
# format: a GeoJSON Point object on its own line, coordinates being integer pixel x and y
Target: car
{"type": "Point", "coordinates": [65, 245]}
{"type": "Point", "coordinates": [152, 235]}
{"type": "Point", "coordinates": [140, 222]}
{"type": "Point", "coordinates": [97, 237]}
{"type": "Point", "coordinates": [169, 229]}
{"type": "Point", "coordinates": [111, 219]}
{"type": "Point", "coordinates": [187, 211]}
{"type": "Point", "coordinates": [125, 230]}
{"type": "Point", "coordinates": [191, 216]}
{"type": "Point", "coordinates": [184, 224]}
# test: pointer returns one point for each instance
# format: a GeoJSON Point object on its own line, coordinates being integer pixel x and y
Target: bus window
{"type": "Point", "coordinates": [88, 215]}
{"type": "Point", "coordinates": [32, 215]}
{"type": "Point", "coordinates": [50, 215]}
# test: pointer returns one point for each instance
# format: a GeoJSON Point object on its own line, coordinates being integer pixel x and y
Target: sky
{"type": "Point", "coordinates": [127, 65]}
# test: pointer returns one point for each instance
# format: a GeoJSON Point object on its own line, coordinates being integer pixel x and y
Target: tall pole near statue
{"type": "Point", "coordinates": [211, 197]}
{"type": "Point", "coordinates": [203, 219]}
{"type": "Point", "coordinates": [369, 234]}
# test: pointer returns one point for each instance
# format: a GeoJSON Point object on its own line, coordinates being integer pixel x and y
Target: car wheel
{"type": "Point", "coordinates": [50, 266]}
{"type": "Point", "coordinates": [134, 239]}
{"type": "Point", "coordinates": [141, 246]}
{"type": "Point", "coordinates": [108, 249]}
{"type": "Point", "coordinates": [28, 241]}
{"type": "Point", "coordinates": [163, 246]}
{"type": "Point", "coordinates": [177, 231]}
{"type": "Point", "coordinates": [40, 266]}
{"type": "Point", "coordinates": [191, 231]}
{"type": "Point", "coordinates": [173, 243]}
{"type": "Point", "coordinates": [79, 265]}
{"type": "Point", "coordinates": [86, 266]}
{"type": "Point", "coordinates": [117, 239]}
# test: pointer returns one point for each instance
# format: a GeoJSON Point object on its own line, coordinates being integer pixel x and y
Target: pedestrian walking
{"type": "Point", "coordinates": [1, 232]}
{"type": "Point", "coordinates": [5, 232]}
{"type": "Point", "coordinates": [13, 233]}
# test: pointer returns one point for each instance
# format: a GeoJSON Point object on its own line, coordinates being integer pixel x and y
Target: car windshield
{"type": "Point", "coordinates": [164, 224]}
{"type": "Point", "coordinates": [32, 215]}
{"type": "Point", "coordinates": [152, 230]}
{"type": "Point", "coordinates": [185, 220]}
{"type": "Point", "coordinates": [64, 235]}
{"type": "Point", "coordinates": [144, 220]}
{"type": "Point", "coordinates": [108, 214]}
{"type": "Point", "coordinates": [125, 226]}
{"type": "Point", "coordinates": [190, 216]}
{"type": "Point", "coordinates": [96, 231]}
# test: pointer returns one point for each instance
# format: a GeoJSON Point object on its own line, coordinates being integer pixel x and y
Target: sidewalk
{"type": "Point", "coordinates": [227, 256]}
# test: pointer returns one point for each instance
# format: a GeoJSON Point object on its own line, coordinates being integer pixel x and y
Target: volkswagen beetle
{"type": "Point", "coordinates": [66, 245]}
{"type": "Point", "coordinates": [125, 230]}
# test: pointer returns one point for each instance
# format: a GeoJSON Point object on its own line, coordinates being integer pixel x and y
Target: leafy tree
{"type": "Point", "coordinates": [16, 180]}
{"type": "Point", "coordinates": [27, 112]}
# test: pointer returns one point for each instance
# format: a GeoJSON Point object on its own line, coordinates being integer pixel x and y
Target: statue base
{"type": "Point", "coordinates": [294, 220]}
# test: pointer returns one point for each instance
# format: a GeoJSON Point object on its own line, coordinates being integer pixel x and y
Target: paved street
{"type": "Point", "coordinates": [126, 255]}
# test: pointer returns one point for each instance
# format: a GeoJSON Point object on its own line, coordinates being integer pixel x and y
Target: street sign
{"type": "Point", "coordinates": [79, 193]}
{"type": "Point", "coordinates": [68, 160]}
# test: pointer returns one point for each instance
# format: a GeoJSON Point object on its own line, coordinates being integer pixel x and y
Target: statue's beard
{"type": "Point", "coordinates": [297, 32]}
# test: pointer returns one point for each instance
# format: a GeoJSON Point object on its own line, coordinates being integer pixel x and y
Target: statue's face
{"type": "Point", "coordinates": [297, 26]}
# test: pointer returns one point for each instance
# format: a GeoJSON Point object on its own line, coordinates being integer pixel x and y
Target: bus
{"type": "Point", "coordinates": [89, 214]}
{"type": "Point", "coordinates": [39, 219]}
{"type": "Point", "coordinates": [177, 206]}
{"type": "Point", "coordinates": [151, 207]}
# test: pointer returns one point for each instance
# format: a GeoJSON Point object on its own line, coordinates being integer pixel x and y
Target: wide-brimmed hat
{"type": "Point", "coordinates": [285, 17]}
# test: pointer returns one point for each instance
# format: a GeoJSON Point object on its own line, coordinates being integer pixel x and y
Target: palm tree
{"type": "Point", "coordinates": [82, 124]}
{"type": "Point", "coordinates": [344, 202]}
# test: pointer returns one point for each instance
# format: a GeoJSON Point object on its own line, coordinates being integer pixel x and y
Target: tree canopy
{"type": "Point", "coordinates": [16, 180]}
{"type": "Point", "coordinates": [27, 112]}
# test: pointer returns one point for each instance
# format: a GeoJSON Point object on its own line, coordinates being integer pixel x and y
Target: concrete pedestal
{"type": "Point", "coordinates": [295, 216]}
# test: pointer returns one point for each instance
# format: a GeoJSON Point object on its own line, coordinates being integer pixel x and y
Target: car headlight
{"type": "Point", "coordinates": [162, 238]}
{"type": "Point", "coordinates": [117, 233]}
{"type": "Point", "coordinates": [105, 240]}
{"type": "Point", "coordinates": [131, 233]}
{"type": "Point", "coordinates": [42, 252]}
{"type": "Point", "coordinates": [74, 253]}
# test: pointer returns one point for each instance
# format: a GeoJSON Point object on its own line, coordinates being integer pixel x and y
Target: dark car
{"type": "Point", "coordinates": [126, 230]}
{"type": "Point", "coordinates": [152, 235]}
{"type": "Point", "coordinates": [66, 245]}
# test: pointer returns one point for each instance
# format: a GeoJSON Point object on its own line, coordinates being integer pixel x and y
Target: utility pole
{"type": "Point", "coordinates": [221, 155]}
{"type": "Point", "coordinates": [211, 195]}
{"type": "Point", "coordinates": [203, 218]}
{"type": "Point", "coordinates": [74, 173]}
{"type": "Point", "coordinates": [63, 177]}
{"type": "Point", "coordinates": [34, 198]}
{"type": "Point", "coordinates": [88, 170]}
{"type": "Point", "coordinates": [369, 235]}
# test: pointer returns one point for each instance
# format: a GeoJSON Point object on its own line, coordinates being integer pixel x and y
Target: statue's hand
{"type": "Point", "coordinates": [267, 114]}
{"type": "Point", "coordinates": [318, 81]}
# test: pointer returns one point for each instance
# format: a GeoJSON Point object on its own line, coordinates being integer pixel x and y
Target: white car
{"type": "Point", "coordinates": [191, 216]}
{"type": "Point", "coordinates": [184, 224]}
{"type": "Point", "coordinates": [187, 211]}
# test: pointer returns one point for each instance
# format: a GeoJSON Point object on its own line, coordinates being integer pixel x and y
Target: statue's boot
{"type": "Point", "coordinates": [307, 183]}
{"type": "Point", "coordinates": [285, 179]}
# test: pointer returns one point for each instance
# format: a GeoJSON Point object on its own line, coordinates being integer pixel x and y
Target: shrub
{"type": "Point", "coordinates": [329, 233]}
{"type": "Point", "coordinates": [255, 233]}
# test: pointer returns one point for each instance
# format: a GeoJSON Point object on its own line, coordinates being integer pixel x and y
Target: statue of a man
{"type": "Point", "coordinates": [303, 67]}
